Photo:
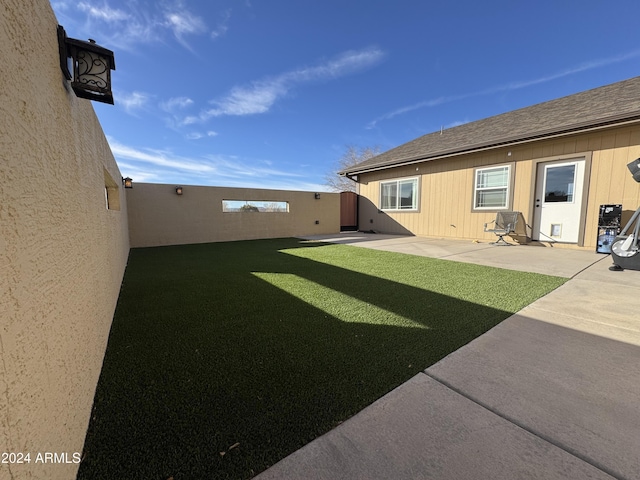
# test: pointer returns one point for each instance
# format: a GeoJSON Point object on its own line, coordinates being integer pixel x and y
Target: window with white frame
{"type": "Point", "coordinates": [491, 187]}
{"type": "Point", "coordinates": [399, 194]}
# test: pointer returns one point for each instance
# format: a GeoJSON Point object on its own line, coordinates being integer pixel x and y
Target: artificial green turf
{"type": "Point", "coordinates": [265, 345]}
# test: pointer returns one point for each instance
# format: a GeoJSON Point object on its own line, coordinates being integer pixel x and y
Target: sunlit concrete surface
{"type": "Point", "coordinates": [551, 392]}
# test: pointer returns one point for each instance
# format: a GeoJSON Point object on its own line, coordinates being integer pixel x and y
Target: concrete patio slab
{"type": "Point", "coordinates": [551, 392]}
{"type": "Point", "coordinates": [424, 430]}
{"type": "Point", "coordinates": [577, 390]}
{"type": "Point", "coordinates": [561, 262]}
{"type": "Point", "coordinates": [592, 307]}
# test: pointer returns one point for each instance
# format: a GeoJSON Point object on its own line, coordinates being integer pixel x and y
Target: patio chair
{"type": "Point", "coordinates": [504, 224]}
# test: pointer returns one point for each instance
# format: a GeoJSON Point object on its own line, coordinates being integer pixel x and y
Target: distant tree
{"type": "Point", "coordinates": [275, 207]}
{"type": "Point", "coordinates": [352, 156]}
{"type": "Point", "coordinates": [249, 208]}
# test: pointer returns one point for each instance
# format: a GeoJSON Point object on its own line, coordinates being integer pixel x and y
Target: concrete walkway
{"type": "Point", "coordinates": [552, 392]}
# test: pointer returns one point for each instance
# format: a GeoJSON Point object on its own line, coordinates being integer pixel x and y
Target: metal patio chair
{"type": "Point", "coordinates": [504, 224]}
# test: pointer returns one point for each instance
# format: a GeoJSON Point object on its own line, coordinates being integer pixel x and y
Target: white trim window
{"type": "Point", "coordinates": [491, 188]}
{"type": "Point", "coordinates": [399, 194]}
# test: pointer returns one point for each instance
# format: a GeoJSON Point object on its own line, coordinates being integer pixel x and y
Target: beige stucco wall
{"type": "Point", "coordinates": [446, 186]}
{"type": "Point", "coordinates": [158, 216]}
{"type": "Point", "coordinates": [62, 252]}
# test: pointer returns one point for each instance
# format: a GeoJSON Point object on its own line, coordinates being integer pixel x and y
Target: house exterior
{"type": "Point", "coordinates": [555, 162]}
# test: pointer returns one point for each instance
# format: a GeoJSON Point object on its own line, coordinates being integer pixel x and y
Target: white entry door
{"type": "Point", "coordinates": [558, 201]}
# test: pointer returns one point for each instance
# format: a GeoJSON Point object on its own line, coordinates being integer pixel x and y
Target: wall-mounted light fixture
{"type": "Point", "coordinates": [317, 196]}
{"type": "Point", "coordinates": [634, 168]}
{"type": "Point", "coordinates": [127, 182]}
{"type": "Point", "coordinates": [178, 190]}
{"type": "Point", "coordinates": [91, 64]}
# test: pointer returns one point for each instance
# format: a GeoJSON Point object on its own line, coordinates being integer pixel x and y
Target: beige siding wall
{"type": "Point", "coordinates": [62, 252]}
{"type": "Point", "coordinates": [446, 186]}
{"type": "Point", "coordinates": [158, 216]}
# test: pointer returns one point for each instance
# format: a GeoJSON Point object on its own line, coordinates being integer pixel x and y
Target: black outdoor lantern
{"type": "Point", "coordinates": [127, 182]}
{"type": "Point", "coordinates": [178, 190]}
{"type": "Point", "coordinates": [634, 168]}
{"type": "Point", "coordinates": [92, 65]}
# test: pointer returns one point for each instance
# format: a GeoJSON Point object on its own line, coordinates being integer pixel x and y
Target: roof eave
{"type": "Point", "coordinates": [616, 121]}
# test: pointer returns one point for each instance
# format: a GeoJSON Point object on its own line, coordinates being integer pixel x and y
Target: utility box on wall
{"type": "Point", "coordinates": [609, 220]}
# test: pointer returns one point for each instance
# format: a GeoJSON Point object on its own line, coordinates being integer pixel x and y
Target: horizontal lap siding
{"type": "Point", "coordinates": [446, 186]}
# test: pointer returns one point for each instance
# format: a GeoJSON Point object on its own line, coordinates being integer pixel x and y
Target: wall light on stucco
{"type": "Point", "coordinates": [91, 65]}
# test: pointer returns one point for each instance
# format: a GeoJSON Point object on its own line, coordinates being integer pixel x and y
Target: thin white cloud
{"type": "Point", "coordinates": [222, 27]}
{"type": "Point", "coordinates": [182, 22]}
{"type": "Point", "coordinates": [162, 166]}
{"type": "Point", "coordinates": [103, 12]}
{"type": "Point", "coordinates": [190, 120]}
{"type": "Point", "coordinates": [132, 102]}
{"type": "Point", "coordinates": [60, 6]}
{"type": "Point", "coordinates": [176, 103]}
{"type": "Point", "coordinates": [427, 103]}
{"type": "Point", "coordinates": [200, 135]}
{"type": "Point", "coordinates": [138, 172]}
{"type": "Point", "coordinates": [158, 158]}
{"type": "Point", "coordinates": [135, 23]}
{"type": "Point", "coordinates": [507, 87]}
{"type": "Point", "coordinates": [258, 98]}
{"type": "Point", "coordinates": [233, 167]}
{"type": "Point", "coordinates": [261, 95]}
{"type": "Point", "coordinates": [456, 123]}
{"type": "Point", "coordinates": [344, 64]}
{"type": "Point", "coordinates": [573, 70]}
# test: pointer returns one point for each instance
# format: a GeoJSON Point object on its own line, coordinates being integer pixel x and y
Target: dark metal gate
{"type": "Point", "coordinates": [348, 211]}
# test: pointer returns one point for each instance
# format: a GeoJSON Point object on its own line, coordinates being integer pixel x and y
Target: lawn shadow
{"type": "Point", "coordinates": [211, 371]}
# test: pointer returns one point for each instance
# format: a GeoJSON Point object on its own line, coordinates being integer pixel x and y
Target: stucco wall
{"type": "Point", "coordinates": [446, 186]}
{"type": "Point", "coordinates": [158, 216]}
{"type": "Point", "coordinates": [62, 252]}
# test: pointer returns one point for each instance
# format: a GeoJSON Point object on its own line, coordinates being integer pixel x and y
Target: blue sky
{"type": "Point", "coordinates": [268, 93]}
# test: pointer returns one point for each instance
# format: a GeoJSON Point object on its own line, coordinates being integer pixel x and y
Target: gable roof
{"type": "Point", "coordinates": [601, 107]}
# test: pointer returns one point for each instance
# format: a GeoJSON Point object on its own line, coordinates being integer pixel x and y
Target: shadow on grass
{"type": "Point", "coordinates": [204, 354]}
